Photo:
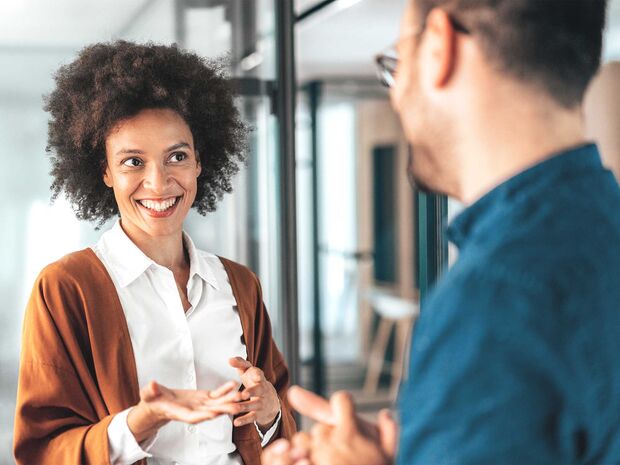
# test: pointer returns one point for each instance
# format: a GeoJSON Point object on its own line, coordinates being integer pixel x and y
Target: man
{"type": "Point", "coordinates": [515, 355]}
{"type": "Point", "coordinates": [602, 114]}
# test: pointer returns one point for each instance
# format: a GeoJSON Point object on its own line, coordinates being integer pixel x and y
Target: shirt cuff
{"type": "Point", "coordinates": [124, 449]}
{"type": "Point", "coordinates": [266, 437]}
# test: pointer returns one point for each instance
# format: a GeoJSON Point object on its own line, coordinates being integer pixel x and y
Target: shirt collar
{"type": "Point", "coordinates": [128, 262]}
{"type": "Point", "coordinates": [528, 183]}
{"type": "Point", "coordinates": [198, 265]}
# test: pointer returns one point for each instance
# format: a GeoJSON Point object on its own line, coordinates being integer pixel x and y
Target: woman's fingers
{"type": "Point", "coordinates": [240, 364]}
{"type": "Point", "coordinates": [256, 390]}
{"type": "Point", "coordinates": [245, 419]}
{"type": "Point", "coordinates": [149, 392]}
{"type": "Point", "coordinates": [195, 406]}
{"type": "Point", "coordinates": [200, 414]}
{"type": "Point", "coordinates": [223, 389]}
{"type": "Point", "coordinates": [235, 396]}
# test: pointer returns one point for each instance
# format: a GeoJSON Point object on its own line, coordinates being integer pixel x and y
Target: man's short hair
{"type": "Point", "coordinates": [555, 44]}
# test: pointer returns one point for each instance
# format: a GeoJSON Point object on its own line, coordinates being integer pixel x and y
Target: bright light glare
{"type": "Point", "coordinates": [53, 231]}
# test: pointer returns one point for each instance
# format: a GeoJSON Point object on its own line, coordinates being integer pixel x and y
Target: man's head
{"type": "Point", "coordinates": [452, 52]}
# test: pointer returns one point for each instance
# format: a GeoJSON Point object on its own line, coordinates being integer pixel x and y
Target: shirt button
{"type": "Point", "coordinates": [190, 377]}
{"type": "Point", "coordinates": [191, 429]}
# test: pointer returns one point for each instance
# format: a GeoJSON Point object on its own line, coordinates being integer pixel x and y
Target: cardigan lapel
{"type": "Point", "coordinates": [112, 351]}
{"type": "Point", "coordinates": [246, 305]}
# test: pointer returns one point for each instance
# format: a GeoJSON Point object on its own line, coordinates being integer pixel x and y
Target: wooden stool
{"type": "Point", "coordinates": [394, 312]}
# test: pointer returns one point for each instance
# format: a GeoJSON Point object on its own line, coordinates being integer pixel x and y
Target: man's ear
{"type": "Point", "coordinates": [440, 47]}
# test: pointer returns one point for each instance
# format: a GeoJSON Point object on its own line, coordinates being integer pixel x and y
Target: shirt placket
{"type": "Point", "coordinates": [187, 367]}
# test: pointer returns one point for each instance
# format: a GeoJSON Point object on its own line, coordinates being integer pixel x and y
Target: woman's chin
{"type": "Point", "coordinates": [155, 223]}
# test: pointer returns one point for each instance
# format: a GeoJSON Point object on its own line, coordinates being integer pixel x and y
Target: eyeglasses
{"type": "Point", "coordinates": [387, 62]}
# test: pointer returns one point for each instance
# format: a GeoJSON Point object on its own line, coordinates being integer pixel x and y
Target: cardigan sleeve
{"type": "Point", "coordinates": [60, 417]}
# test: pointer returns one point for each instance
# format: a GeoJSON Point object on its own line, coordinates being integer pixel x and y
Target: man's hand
{"type": "Point", "coordinates": [339, 437]}
{"type": "Point", "coordinates": [263, 404]}
{"type": "Point", "coordinates": [158, 405]}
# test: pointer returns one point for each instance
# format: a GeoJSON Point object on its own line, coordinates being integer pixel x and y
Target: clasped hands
{"type": "Point", "coordinates": [339, 436]}
{"type": "Point", "coordinates": [158, 405]}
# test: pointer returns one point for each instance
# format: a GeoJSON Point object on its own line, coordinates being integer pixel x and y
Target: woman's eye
{"type": "Point", "coordinates": [132, 162]}
{"type": "Point", "coordinates": [178, 156]}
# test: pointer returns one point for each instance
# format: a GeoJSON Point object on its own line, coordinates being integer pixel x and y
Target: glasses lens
{"type": "Point", "coordinates": [386, 69]}
{"type": "Point", "coordinates": [385, 77]}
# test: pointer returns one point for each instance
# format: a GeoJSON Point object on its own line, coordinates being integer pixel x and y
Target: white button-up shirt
{"type": "Point", "coordinates": [181, 350]}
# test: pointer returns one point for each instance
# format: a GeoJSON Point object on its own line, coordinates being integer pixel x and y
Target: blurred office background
{"type": "Point", "coordinates": [344, 249]}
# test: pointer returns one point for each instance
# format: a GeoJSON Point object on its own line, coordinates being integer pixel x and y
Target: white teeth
{"type": "Point", "coordinates": [158, 206]}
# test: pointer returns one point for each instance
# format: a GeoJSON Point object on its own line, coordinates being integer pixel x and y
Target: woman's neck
{"type": "Point", "coordinates": [165, 250]}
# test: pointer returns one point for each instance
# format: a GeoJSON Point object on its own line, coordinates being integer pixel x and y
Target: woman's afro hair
{"type": "Point", "coordinates": [109, 82]}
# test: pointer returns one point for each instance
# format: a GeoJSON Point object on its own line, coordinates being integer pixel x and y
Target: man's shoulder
{"type": "Point", "coordinates": [568, 237]}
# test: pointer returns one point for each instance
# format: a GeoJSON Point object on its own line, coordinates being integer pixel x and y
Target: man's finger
{"type": "Point", "coordinates": [388, 433]}
{"type": "Point", "coordinates": [320, 433]}
{"type": "Point", "coordinates": [301, 440]}
{"type": "Point", "coordinates": [344, 414]}
{"type": "Point", "coordinates": [277, 453]}
{"type": "Point", "coordinates": [311, 405]}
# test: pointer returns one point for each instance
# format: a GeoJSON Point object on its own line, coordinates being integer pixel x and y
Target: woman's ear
{"type": "Point", "coordinates": [198, 164]}
{"type": "Point", "coordinates": [107, 176]}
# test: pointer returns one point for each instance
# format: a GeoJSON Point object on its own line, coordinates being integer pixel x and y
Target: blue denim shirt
{"type": "Point", "coordinates": [516, 355]}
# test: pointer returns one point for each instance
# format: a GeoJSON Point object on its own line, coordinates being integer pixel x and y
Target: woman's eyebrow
{"type": "Point", "coordinates": [180, 145]}
{"type": "Point", "coordinates": [128, 151]}
{"type": "Point", "coordinates": [177, 146]}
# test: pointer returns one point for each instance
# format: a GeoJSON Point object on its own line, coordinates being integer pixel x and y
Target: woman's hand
{"type": "Point", "coordinates": [264, 404]}
{"type": "Point", "coordinates": [159, 405]}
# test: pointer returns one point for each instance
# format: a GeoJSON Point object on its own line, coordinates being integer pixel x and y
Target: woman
{"type": "Point", "coordinates": [146, 132]}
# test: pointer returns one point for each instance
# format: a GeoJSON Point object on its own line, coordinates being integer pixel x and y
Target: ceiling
{"type": "Point", "coordinates": [340, 40]}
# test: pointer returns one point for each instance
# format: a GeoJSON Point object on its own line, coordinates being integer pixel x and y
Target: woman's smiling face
{"type": "Point", "coordinates": [152, 167]}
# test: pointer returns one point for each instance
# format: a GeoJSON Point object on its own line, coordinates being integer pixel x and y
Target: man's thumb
{"type": "Point", "coordinates": [388, 433]}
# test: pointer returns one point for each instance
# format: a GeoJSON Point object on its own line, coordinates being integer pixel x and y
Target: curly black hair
{"type": "Point", "coordinates": [109, 82]}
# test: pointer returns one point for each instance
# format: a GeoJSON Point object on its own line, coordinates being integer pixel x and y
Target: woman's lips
{"type": "Point", "coordinates": [156, 209]}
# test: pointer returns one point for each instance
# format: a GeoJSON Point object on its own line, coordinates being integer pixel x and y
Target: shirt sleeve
{"type": "Point", "coordinates": [124, 449]}
{"type": "Point", "coordinates": [266, 437]}
{"type": "Point", "coordinates": [486, 381]}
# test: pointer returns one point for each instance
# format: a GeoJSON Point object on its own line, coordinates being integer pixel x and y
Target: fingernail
{"type": "Point", "coordinates": [280, 446]}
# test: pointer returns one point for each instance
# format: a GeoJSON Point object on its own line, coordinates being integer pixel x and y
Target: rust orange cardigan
{"type": "Point", "coordinates": [77, 367]}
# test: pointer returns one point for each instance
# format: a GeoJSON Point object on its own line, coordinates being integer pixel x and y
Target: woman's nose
{"type": "Point", "coordinates": [156, 178]}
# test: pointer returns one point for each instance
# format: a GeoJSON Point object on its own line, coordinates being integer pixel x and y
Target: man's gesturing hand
{"type": "Point", "coordinates": [339, 437]}
{"type": "Point", "coordinates": [264, 405]}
